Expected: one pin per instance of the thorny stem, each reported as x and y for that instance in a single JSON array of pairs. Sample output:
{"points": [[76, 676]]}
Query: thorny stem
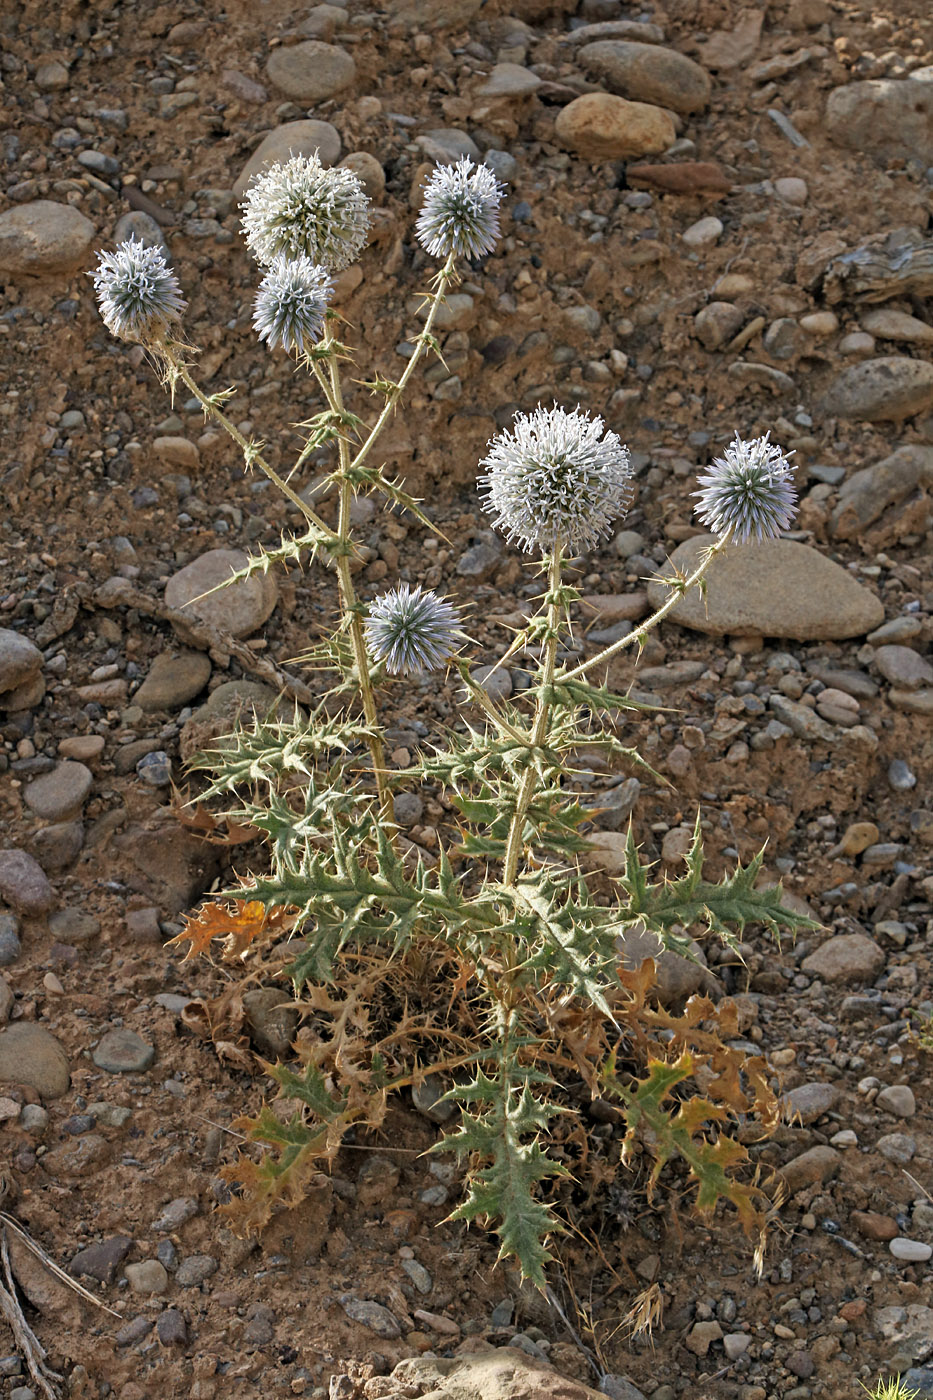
{"points": [[444, 279], [641, 632], [513, 848], [351, 610], [179, 368]]}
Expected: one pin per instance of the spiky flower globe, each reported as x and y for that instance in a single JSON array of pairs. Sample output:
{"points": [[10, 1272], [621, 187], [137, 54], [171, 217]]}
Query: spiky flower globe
{"points": [[138, 294], [291, 304], [556, 481], [302, 208], [460, 213], [411, 631], [749, 490]]}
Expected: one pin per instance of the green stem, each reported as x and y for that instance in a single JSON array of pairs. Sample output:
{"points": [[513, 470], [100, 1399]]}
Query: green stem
{"points": [[539, 730], [250, 454], [641, 632], [444, 279], [350, 603]]}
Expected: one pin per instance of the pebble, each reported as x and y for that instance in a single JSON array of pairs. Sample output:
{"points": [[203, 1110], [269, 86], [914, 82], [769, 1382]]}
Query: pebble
{"points": [[897, 1147], [888, 389], [24, 885], [141, 226], [792, 189], [61, 794], [122, 1051], [897, 1099], [10, 946], [44, 238], [887, 324], [101, 1260], [73, 926], [717, 323], [29, 1054], [372, 1315], [704, 233], [867, 495], [884, 117], [910, 1251], [810, 1168], [874, 1226], [239, 609], [677, 977], [701, 1337], [301, 138], [808, 1102], [177, 1213], [369, 171], [419, 1276], [683, 177], [858, 836], [846, 958], [195, 1270], [20, 660], [648, 73], [901, 776], [148, 1277], [495, 680], [272, 1022], [903, 667], [34, 1119], [155, 769], [171, 1328], [310, 72], [509, 80], [427, 1097], [736, 1344], [408, 809], [779, 588], [600, 126], [82, 747]]}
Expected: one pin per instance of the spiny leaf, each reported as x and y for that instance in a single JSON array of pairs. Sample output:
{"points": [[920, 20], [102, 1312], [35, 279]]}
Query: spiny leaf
{"points": [[239, 927]]}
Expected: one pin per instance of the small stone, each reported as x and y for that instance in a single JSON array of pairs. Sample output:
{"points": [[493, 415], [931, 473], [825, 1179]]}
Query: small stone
{"points": [[648, 73], [271, 1020], [142, 926], [155, 769], [874, 1226], [792, 190], [407, 808], [810, 1168], [23, 884], [809, 1102], [857, 838], [717, 323], [736, 1344], [881, 390], [239, 608], [148, 1277], [372, 1315], [600, 126], [875, 493], [171, 1328], [177, 1213], [51, 77], [509, 80], [10, 946], [369, 171], [20, 660], [377, 1181], [619, 1388], [911, 1251], [801, 1364], [122, 1051], [887, 324], [427, 1097], [903, 667], [897, 1147], [44, 238], [29, 1054], [897, 1099], [177, 452], [704, 233], [34, 1119], [495, 680], [73, 926], [195, 1270], [310, 72], [847, 958], [883, 116], [83, 747], [101, 1260], [133, 1331], [260, 1330], [60, 794], [701, 1337]]}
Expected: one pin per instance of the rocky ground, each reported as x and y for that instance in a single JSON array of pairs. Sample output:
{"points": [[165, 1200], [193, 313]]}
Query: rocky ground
{"points": [[718, 218]]}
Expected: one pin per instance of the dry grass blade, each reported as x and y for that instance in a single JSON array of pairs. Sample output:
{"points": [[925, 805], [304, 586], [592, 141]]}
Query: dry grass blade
{"points": [[54, 1268], [26, 1340], [645, 1313]]}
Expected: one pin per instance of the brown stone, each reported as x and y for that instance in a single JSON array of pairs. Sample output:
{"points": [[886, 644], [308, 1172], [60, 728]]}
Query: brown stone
{"points": [[685, 177], [601, 126], [874, 1226]]}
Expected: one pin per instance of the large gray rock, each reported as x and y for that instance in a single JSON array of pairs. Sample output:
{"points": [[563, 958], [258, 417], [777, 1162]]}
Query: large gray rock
{"points": [[648, 73], [20, 660], [310, 72], [883, 117], [43, 238], [778, 588], [849, 958], [29, 1054], [23, 883], [868, 494], [60, 794], [302, 138], [239, 608], [174, 678], [885, 390]]}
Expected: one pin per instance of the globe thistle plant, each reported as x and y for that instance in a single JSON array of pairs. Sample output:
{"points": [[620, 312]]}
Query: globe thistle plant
{"points": [[556, 481], [411, 632], [302, 208], [138, 294], [460, 213], [291, 304], [748, 491]]}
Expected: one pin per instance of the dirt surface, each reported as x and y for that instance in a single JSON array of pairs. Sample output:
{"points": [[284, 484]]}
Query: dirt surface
{"points": [[594, 297]]}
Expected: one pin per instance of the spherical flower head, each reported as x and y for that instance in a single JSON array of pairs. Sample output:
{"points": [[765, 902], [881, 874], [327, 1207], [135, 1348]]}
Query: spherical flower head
{"points": [[291, 304], [138, 294], [460, 213], [411, 631], [302, 208], [749, 490], [557, 481]]}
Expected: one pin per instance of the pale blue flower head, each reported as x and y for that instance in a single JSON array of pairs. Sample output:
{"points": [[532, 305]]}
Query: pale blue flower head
{"points": [[303, 208], [138, 294], [749, 490], [291, 304], [411, 631], [460, 213], [558, 480]]}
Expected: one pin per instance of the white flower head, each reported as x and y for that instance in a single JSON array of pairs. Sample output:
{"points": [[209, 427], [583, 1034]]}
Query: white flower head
{"points": [[557, 480], [302, 208], [411, 631], [138, 294], [291, 304], [460, 213], [750, 490]]}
